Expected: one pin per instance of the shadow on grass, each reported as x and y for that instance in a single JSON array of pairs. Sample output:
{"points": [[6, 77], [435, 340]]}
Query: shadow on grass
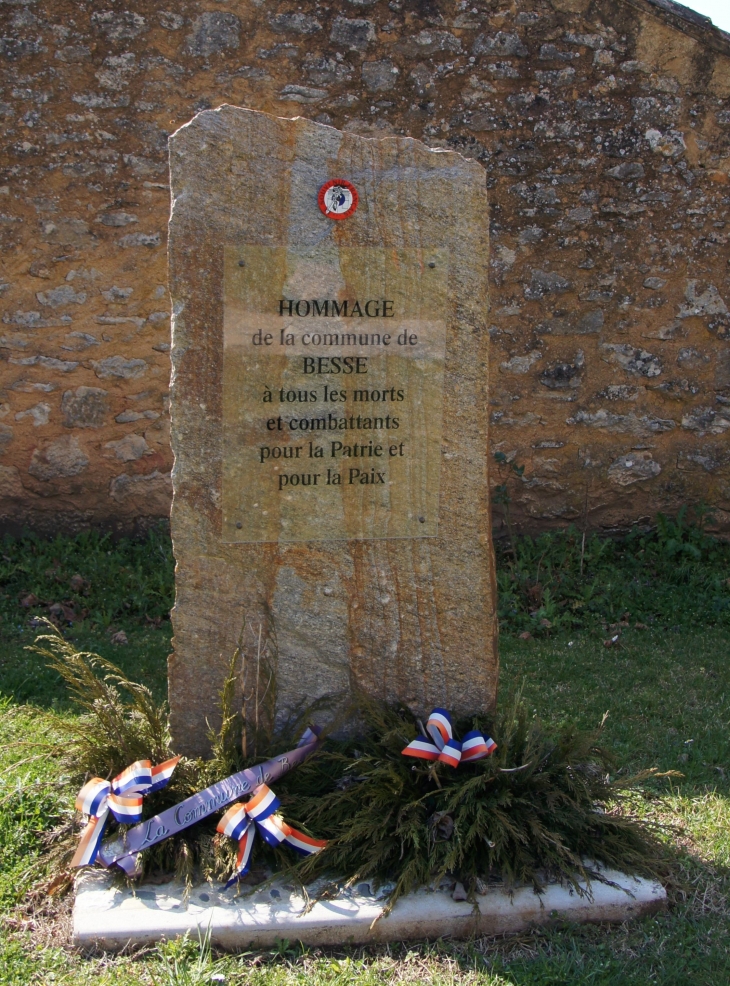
{"points": [[92, 586], [668, 698], [24, 677]]}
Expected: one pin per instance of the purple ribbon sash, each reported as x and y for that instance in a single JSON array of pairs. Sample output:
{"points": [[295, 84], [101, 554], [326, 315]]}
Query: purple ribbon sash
{"points": [[122, 850]]}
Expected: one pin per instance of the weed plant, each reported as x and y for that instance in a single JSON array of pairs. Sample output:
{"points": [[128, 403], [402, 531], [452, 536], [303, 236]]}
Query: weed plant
{"points": [[671, 574], [103, 593], [88, 578]]}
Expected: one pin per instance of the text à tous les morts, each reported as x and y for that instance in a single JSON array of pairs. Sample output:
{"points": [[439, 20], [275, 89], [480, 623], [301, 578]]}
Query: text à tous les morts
{"points": [[365, 473]]}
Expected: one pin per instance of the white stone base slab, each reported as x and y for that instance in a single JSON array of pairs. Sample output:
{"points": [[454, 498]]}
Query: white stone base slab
{"points": [[110, 917]]}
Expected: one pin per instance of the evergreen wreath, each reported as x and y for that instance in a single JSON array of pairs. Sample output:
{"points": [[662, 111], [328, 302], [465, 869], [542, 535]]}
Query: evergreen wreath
{"points": [[542, 808]]}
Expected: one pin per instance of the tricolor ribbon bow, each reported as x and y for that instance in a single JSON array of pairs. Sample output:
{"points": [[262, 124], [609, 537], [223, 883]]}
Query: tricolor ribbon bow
{"points": [[122, 797], [442, 746], [241, 821]]}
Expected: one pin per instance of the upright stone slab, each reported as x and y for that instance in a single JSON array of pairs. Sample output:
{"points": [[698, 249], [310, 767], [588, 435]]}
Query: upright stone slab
{"points": [[329, 421]]}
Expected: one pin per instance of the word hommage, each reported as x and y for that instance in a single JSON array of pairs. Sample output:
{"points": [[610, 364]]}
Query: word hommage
{"points": [[329, 308]]}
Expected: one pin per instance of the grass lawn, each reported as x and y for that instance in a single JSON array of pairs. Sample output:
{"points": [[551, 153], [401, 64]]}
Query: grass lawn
{"points": [[667, 693]]}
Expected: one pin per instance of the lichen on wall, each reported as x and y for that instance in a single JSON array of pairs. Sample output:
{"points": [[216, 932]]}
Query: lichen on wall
{"points": [[604, 128]]}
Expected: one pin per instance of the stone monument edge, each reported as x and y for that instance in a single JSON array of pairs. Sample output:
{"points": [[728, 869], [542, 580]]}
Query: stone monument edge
{"points": [[205, 119], [226, 107]]}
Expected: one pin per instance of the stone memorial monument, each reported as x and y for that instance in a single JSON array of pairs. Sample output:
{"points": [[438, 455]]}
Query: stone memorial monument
{"points": [[331, 516]]}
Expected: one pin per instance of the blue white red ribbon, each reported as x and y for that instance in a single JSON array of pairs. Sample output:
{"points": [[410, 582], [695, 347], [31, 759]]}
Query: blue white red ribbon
{"points": [[439, 743], [124, 852], [122, 797], [241, 822]]}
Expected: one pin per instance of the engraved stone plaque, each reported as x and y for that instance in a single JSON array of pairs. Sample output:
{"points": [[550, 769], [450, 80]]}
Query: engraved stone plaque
{"points": [[332, 393], [329, 422]]}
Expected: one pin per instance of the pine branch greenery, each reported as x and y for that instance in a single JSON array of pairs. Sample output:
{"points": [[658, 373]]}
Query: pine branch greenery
{"points": [[543, 807]]}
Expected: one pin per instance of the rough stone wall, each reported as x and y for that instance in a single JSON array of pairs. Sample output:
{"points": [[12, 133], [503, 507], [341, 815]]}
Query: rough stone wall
{"points": [[604, 126]]}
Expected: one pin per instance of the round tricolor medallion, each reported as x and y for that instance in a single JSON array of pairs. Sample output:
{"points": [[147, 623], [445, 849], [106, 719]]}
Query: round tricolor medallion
{"points": [[337, 199]]}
